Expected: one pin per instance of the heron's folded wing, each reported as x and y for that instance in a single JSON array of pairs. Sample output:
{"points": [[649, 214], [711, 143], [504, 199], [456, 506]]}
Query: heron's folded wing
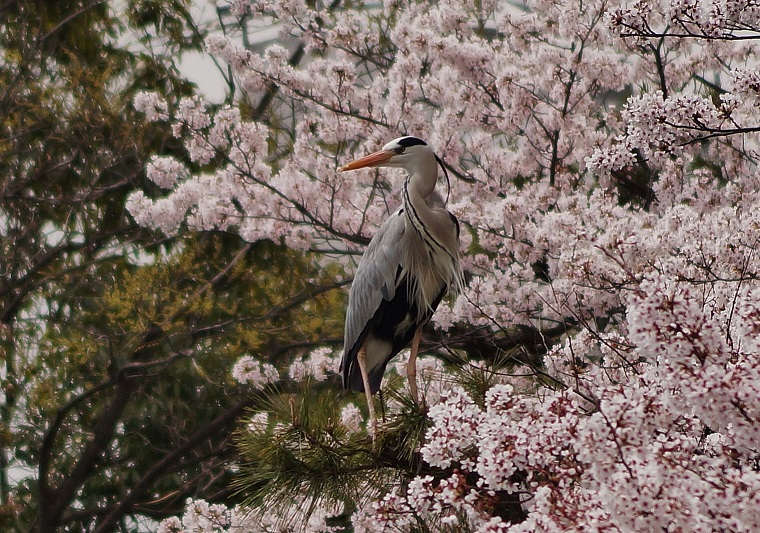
{"points": [[374, 282]]}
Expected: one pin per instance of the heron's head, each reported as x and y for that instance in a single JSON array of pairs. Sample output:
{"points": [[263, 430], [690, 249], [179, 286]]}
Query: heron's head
{"points": [[405, 152]]}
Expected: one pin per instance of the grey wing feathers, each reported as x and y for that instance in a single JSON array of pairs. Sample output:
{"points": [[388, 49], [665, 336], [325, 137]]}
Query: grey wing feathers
{"points": [[375, 280]]}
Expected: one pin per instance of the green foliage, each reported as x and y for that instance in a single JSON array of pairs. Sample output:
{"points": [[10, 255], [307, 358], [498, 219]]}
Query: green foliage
{"points": [[301, 450], [297, 452], [211, 302]]}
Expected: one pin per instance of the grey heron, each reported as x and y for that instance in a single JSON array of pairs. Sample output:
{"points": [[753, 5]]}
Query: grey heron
{"points": [[408, 267]]}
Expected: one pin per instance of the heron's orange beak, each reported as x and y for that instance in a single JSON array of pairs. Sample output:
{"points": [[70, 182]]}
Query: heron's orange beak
{"points": [[371, 160]]}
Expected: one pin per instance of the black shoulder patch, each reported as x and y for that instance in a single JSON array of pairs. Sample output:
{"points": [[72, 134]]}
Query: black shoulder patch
{"points": [[410, 141], [456, 223]]}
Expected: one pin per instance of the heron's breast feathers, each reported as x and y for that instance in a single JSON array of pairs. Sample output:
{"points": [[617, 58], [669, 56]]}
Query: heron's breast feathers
{"points": [[432, 271]]}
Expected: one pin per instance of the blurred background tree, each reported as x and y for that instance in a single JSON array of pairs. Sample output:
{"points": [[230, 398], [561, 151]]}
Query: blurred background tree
{"points": [[116, 343]]}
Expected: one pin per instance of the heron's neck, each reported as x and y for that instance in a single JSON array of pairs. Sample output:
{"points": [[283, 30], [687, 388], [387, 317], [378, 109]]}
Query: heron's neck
{"points": [[422, 178], [417, 197]]}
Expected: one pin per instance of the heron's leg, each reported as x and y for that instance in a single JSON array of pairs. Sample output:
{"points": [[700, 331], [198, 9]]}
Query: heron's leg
{"points": [[381, 397], [411, 366], [361, 357]]}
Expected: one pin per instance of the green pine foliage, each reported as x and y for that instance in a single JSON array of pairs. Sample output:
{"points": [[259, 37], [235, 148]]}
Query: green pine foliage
{"points": [[296, 452]]}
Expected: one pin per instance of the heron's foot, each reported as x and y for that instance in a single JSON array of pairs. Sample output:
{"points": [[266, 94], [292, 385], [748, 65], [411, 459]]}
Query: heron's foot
{"points": [[422, 405], [372, 422], [372, 429]]}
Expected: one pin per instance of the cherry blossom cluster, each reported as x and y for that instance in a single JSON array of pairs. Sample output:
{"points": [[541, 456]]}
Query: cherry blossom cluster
{"points": [[351, 418], [318, 365], [249, 371], [659, 129], [202, 517], [746, 82], [640, 459], [151, 105], [690, 18]]}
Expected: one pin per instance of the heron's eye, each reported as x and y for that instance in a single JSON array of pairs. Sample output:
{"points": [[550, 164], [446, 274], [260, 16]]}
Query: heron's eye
{"points": [[400, 149]]}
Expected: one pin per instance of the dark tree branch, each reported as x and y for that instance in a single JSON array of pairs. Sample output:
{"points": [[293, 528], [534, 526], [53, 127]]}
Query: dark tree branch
{"points": [[55, 500], [159, 469]]}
